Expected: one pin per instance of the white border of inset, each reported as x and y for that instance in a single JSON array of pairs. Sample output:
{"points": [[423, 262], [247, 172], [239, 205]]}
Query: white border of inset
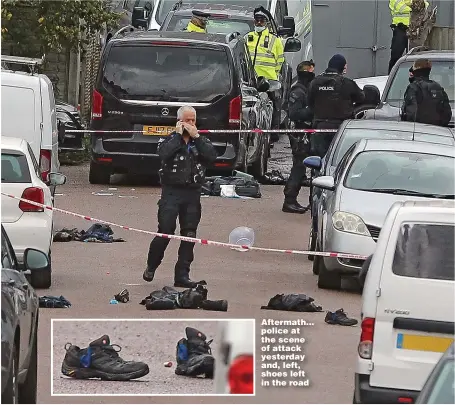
{"points": [[253, 320]]}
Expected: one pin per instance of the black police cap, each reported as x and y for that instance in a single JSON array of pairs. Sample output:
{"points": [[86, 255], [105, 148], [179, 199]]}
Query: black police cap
{"points": [[200, 14]]}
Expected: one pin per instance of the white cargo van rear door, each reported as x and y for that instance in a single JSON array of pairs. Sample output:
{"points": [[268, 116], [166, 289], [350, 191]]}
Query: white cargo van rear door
{"points": [[415, 310]]}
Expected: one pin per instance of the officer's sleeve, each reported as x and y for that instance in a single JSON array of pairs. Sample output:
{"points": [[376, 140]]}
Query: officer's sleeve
{"points": [[278, 52], [298, 110], [311, 97], [207, 151], [446, 113], [169, 146], [409, 108]]}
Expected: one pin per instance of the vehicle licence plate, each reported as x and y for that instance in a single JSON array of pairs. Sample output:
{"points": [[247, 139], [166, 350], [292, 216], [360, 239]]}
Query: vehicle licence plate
{"points": [[423, 343], [157, 130]]}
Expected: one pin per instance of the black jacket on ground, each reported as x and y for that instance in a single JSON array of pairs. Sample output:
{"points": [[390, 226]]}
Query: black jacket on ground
{"points": [[184, 164], [331, 97], [425, 101]]}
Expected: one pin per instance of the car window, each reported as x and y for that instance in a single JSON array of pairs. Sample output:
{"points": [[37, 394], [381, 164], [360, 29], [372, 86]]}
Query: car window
{"points": [[214, 26], [443, 391], [425, 251], [411, 171], [35, 163], [174, 73], [441, 72], [351, 136], [344, 161], [7, 257], [15, 168]]}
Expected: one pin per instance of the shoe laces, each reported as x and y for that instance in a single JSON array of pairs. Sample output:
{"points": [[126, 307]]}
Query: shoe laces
{"points": [[113, 352]]}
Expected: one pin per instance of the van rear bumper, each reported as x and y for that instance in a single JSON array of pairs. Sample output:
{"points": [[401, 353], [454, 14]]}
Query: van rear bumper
{"points": [[364, 393]]}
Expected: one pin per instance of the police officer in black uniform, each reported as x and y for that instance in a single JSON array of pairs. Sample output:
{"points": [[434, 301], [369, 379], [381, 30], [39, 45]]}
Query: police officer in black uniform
{"points": [[331, 97], [184, 155], [425, 101], [300, 146]]}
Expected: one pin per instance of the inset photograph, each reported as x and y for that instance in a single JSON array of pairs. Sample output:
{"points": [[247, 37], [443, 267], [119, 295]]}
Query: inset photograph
{"points": [[124, 357]]}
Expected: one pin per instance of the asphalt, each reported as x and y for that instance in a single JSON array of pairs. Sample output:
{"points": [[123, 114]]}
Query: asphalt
{"points": [[89, 274]]}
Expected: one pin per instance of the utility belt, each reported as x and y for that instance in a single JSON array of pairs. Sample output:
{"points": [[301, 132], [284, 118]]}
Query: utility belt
{"points": [[400, 26]]}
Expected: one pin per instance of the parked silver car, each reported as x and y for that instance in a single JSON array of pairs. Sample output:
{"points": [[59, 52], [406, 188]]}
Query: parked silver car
{"points": [[371, 176]]}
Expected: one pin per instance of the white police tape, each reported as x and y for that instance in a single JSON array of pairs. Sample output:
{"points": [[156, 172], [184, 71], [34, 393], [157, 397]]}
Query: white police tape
{"points": [[205, 131], [188, 239]]}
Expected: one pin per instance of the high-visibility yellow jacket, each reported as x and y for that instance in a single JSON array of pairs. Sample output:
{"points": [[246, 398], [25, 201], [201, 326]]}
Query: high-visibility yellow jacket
{"points": [[269, 53], [401, 11], [194, 28]]}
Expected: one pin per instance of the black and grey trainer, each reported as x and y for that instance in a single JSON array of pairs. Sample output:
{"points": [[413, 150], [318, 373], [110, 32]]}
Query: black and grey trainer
{"points": [[339, 317], [100, 360], [194, 356]]}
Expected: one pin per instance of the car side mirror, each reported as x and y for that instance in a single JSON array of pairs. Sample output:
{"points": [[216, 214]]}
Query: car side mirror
{"points": [[313, 162], [35, 260], [372, 94], [263, 84], [139, 18], [56, 179], [324, 182], [292, 45]]}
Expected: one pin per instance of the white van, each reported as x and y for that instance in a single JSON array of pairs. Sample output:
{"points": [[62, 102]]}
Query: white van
{"points": [[408, 302], [28, 112], [234, 360]]}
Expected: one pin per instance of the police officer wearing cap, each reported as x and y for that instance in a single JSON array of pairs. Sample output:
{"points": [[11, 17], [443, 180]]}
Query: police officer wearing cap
{"points": [[267, 55], [198, 22], [332, 97], [184, 155], [302, 116]]}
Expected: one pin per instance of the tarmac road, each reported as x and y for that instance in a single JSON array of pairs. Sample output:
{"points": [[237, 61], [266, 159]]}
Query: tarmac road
{"points": [[89, 274]]}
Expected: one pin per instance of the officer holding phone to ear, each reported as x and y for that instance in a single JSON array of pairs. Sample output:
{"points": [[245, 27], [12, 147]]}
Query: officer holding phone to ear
{"points": [[184, 156]]}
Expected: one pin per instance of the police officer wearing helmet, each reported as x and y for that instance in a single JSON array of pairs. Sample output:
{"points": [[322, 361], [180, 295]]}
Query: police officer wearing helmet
{"points": [[300, 145], [425, 101], [198, 22], [183, 156], [331, 97], [267, 55]]}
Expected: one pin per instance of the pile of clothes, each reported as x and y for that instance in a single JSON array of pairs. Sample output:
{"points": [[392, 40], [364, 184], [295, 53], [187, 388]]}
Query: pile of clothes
{"points": [[243, 187], [100, 233]]}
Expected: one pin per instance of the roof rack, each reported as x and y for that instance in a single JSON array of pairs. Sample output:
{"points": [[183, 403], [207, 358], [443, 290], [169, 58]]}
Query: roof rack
{"points": [[124, 30], [417, 49], [32, 63], [232, 35]]}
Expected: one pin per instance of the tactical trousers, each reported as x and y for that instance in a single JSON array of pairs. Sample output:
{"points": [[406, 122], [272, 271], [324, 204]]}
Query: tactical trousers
{"points": [[184, 204], [294, 183], [276, 117], [320, 141], [398, 46]]}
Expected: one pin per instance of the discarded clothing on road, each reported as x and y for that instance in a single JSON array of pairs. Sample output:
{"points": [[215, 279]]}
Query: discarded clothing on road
{"points": [[100, 233], [274, 178], [243, 187], [191, 298], [49, 301], [194, 355], [293, 302]]}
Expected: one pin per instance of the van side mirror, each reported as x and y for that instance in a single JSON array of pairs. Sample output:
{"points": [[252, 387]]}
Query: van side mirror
{"points": [[263, 84], [139, 18], [288, 27], [292, 45]]}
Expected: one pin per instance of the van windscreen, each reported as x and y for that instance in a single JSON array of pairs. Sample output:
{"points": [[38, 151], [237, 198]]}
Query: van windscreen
{"points": [[425, 251], [167, 73]]}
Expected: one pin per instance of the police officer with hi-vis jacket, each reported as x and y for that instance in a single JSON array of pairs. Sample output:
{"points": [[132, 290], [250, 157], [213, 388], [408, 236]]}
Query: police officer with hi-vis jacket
{"points": [[267, 54], [198, 22]]}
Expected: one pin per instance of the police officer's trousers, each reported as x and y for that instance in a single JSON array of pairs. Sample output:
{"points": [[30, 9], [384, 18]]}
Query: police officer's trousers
{"points": [[320, 141], [399, 44], [184, 204], [294, 183]]}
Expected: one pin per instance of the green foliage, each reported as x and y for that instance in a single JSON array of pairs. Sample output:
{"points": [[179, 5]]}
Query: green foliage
{"points": [[35, 27]]}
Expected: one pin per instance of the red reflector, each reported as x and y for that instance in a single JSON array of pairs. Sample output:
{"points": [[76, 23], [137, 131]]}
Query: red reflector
{"points": [[222, 164], [405, 400], [241, 375], [105, 159], [367, 330], [235, 111], [35, 194], [97, 105], [170, 43], [45, 163]]}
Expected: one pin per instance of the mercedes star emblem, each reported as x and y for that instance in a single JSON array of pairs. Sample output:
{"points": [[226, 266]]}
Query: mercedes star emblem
{"points": [[165, 111]]}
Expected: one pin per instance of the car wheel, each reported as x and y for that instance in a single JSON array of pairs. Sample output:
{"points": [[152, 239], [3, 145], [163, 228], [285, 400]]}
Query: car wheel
{"points": [[10, 395], [327, 280], [312, 245], [99, 174], [42, 278], [27, 390], [259, 167]]}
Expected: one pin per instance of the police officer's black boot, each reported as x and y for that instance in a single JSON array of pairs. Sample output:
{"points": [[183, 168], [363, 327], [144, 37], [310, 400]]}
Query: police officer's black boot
{"points": [[294, 207], [194, 356], [182, 268]]}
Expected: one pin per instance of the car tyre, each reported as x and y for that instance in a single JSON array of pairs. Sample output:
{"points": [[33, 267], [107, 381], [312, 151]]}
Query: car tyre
{"points": [[10, 395], [259, 167], [28, 390], [99, 174], [42, 278], [327, 280]]}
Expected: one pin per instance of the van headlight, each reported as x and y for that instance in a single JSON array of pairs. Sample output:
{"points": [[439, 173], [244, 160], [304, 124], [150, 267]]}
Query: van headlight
{"points": [[351, 223]]}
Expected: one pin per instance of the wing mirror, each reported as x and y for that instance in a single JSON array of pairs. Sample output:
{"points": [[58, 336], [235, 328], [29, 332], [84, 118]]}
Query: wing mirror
{"points": [[56, 179], [35, 260], [324, 182], [372, 95], [263, 84], [139, 18], [292, 45], [313, 162], [288, 28]]}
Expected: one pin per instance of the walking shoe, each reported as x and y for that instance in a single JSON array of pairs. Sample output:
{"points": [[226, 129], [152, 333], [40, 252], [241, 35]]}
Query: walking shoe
{"points": [[294, 208], [194, 356], [339, 317], [149, 274], [100, 360]]}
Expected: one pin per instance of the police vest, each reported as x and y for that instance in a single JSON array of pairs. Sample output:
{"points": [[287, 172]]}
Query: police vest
{"points": [[401, 11], [194, 28], [267, 53], [430, 102]]}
